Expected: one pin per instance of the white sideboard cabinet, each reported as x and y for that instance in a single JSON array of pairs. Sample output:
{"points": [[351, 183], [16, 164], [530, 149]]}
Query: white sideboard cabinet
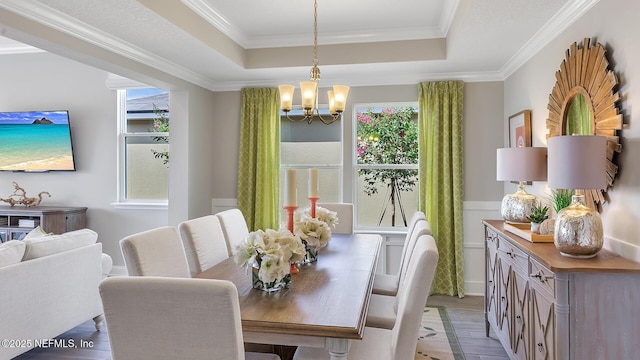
{"points": [[543, 305]]}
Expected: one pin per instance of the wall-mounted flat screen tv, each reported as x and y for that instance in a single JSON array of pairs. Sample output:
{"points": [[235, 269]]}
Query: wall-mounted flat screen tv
{"points": [[36, 141]]}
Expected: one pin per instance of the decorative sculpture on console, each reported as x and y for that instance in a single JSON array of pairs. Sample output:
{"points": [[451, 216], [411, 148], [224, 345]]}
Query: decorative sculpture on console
{"points": [[19, 196]]}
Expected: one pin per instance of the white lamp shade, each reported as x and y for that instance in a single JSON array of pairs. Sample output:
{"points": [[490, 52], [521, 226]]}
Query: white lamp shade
{"points": [[308, 90], [332, 103], [340, 93], [286, 96], [521, 164], [577, 162]]}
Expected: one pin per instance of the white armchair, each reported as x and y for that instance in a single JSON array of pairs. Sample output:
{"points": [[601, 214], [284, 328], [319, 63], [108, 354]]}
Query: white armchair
{"points": [[383, 308], [385, 284], [204, 242], [400, 342], [153, 318], [345, 216], [156, 252], [234, 227]]}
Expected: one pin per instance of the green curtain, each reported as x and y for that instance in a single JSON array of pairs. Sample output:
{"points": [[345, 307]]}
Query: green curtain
{"points": [[441, 178], [259, 161]]}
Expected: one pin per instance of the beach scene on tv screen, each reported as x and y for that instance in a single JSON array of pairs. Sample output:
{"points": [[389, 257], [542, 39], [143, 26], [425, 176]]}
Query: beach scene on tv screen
{"points": [[35, 141]]}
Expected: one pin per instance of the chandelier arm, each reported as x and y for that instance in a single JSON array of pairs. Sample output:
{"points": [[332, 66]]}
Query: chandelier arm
{"points": [[334, 117], [286, 114]]}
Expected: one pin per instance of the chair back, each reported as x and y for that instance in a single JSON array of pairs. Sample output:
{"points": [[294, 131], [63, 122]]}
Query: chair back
{"points": [[170, 318], [204, 242], [234, 227], [345, 216], [156, 252], [421, 227], [412, 298]]}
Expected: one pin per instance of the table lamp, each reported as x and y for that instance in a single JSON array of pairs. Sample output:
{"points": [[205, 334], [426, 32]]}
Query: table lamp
{"points": [[578, 162], [520, 164]]}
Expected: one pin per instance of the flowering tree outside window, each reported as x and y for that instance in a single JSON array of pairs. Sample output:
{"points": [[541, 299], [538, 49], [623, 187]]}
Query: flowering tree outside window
{"points": [[161, 124], [388, 138]]}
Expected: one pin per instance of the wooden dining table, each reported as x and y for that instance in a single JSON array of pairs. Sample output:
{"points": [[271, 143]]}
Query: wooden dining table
{"points": [[326, 305]]}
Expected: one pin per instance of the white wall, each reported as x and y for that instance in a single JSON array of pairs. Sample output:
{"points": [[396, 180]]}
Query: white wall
{"points": [[44, 81], [614, 24]]}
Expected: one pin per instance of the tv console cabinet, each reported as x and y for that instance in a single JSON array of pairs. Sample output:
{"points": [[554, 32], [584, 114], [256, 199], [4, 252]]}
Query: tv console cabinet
{"points": [[16, 222], [543, 305]]}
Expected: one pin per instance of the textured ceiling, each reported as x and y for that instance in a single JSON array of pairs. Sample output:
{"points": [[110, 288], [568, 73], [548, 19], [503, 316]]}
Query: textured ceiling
{"points": [[212, 42]]}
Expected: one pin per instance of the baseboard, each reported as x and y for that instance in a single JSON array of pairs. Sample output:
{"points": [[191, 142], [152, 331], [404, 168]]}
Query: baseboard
{"points": [[474, 288]]}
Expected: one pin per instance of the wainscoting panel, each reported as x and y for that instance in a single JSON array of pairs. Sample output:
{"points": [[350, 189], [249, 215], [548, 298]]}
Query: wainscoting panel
{"points": [[474, 213], [218, 205]]}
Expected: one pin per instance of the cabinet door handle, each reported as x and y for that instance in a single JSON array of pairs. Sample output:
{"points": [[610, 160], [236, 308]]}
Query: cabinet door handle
{"points": [[542, 278]]}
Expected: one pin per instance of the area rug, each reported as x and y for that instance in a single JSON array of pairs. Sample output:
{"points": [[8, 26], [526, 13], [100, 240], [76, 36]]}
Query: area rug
{"points": [[437, 339]]}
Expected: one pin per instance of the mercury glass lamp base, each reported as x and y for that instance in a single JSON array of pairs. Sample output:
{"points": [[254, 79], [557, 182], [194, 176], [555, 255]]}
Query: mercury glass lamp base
{"points": [[517, 207], [578, 230]]}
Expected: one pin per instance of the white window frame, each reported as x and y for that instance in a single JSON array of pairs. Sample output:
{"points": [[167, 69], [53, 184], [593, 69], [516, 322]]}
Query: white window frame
{"points": [[356, 167], [122, 201]]}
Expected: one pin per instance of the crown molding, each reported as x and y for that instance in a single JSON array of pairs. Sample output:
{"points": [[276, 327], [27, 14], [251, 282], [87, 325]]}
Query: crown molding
{"points": [[87, 33], [19, 49], [448, 13], [215, 18], [561, 21], [395, 79]]}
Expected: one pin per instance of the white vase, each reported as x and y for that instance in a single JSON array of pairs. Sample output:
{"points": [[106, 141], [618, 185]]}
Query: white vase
{"points": [[535, 227]]}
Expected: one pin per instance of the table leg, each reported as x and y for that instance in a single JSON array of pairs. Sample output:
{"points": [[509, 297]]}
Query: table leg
{"points": [[338, 348]]}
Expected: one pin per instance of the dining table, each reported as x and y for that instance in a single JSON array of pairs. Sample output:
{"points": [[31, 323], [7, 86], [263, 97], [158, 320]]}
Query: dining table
{"points": [[326, 304]]}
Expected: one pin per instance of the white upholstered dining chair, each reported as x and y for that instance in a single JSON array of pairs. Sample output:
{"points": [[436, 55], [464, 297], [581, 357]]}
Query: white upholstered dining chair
{"points": [[159, 318], [400, 342], [383, 308], [345, 216], [204, 242], [387, 284], [156, 252], [234, 227]]}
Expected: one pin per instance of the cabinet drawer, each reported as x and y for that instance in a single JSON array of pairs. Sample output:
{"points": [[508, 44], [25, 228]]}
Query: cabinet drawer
{"points": [[513, 255], [542, 278]]}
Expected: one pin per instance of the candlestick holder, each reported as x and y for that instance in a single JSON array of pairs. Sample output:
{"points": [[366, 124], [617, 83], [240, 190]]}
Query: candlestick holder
{"points": [[314, 201], [290, 210]]}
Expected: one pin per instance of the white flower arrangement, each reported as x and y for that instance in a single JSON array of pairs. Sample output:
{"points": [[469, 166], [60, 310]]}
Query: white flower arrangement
{"points": [[271, 251], [326, 215], [313, 231]]}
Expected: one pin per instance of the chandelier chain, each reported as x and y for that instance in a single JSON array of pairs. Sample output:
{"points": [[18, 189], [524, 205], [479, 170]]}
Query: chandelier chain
{"points": [[315, 33]]}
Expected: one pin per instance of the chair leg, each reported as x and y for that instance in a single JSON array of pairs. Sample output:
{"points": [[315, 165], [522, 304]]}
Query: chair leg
{"points": [[98, 321]]}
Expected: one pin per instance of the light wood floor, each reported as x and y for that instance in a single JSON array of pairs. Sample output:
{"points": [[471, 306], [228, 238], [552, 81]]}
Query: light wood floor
{"points": [[466, 315]]}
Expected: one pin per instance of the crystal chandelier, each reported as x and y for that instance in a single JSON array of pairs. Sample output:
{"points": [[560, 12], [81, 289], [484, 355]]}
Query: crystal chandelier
{"points": [[309, 89]]}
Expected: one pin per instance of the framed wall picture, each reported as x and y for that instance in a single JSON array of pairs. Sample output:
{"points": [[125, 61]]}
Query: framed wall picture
{"points": [[520, 129]]}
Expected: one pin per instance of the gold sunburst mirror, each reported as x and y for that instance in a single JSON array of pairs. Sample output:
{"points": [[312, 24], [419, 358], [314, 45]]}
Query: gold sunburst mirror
{"points": [[584, 102]]}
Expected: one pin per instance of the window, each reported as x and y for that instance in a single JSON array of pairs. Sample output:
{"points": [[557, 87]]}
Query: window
{"points": [[143, 146], [385, 164], [315, 145]]}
